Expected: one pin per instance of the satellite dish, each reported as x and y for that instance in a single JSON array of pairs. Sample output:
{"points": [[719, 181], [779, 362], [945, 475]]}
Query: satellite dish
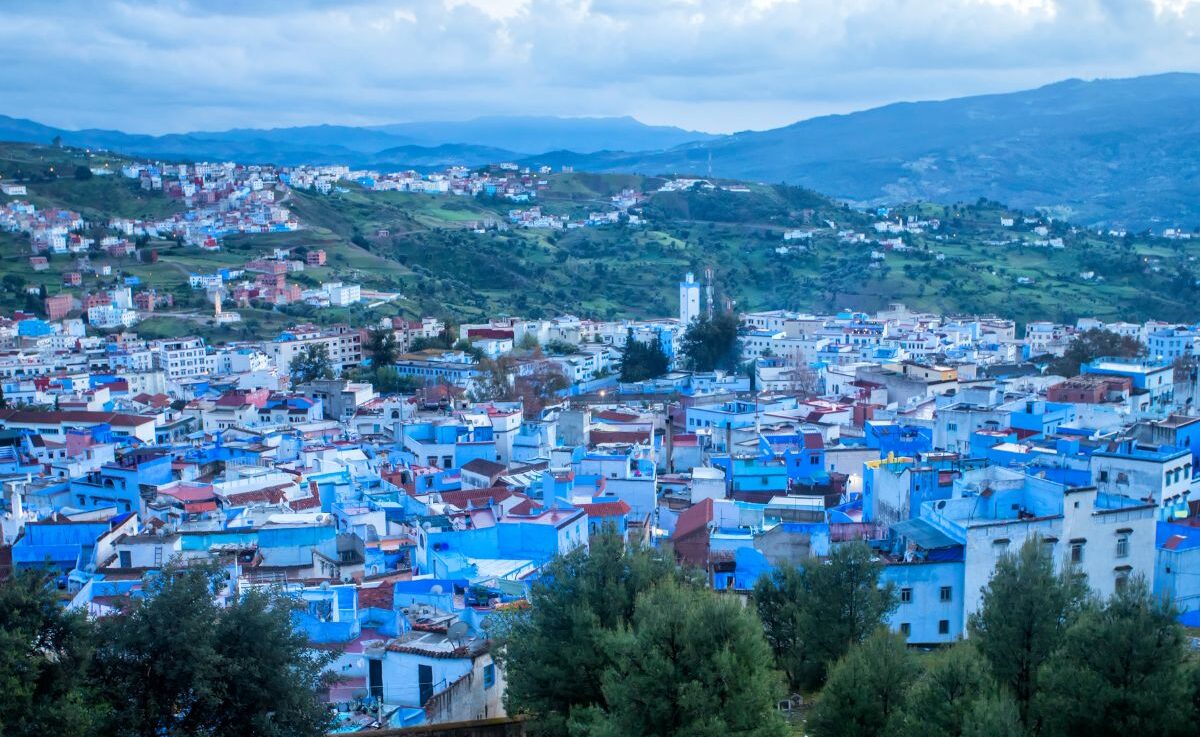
{"points": [[436, 589], [458, 632]]}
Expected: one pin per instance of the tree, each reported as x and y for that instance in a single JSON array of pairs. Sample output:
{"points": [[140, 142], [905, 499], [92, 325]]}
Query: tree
{"points": [[270, 678], [553, 652], [943, 699], [381, 344], [641, 361], [310, 364], [711, 343], [692, 662], [387, 380], [45, 652], [1093, 344], [158, 660], [866, 689], [175, 662], [1120, 670], [813, 614], [994, 715], [1026, 608], [82, 173]]}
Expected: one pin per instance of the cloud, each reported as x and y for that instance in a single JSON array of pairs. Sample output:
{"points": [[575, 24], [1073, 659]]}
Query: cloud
{"points": [[707, 64]]}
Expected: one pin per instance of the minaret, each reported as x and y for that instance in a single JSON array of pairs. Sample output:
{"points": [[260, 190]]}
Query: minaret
{"points": [[217, 303], [708, 290], [689, 299]]}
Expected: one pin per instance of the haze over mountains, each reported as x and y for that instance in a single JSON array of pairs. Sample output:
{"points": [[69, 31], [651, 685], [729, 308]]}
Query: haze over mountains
{"points": [[1121, 152]]}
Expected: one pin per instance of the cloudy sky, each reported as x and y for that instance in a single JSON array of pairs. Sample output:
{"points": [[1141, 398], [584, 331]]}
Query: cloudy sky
{"points": [[716, 65]]}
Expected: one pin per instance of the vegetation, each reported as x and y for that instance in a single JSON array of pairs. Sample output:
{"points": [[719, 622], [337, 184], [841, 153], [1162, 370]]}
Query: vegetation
{"points": [[1025, 611], [620, 642], [1119, 670], [866, 689], [813, 614], [712, 343], [641, 361], [1093, 344], [690, 662], [171, 662], [310, 364], [45, 658], [1045, 657], [428, 252], [553, 652]]}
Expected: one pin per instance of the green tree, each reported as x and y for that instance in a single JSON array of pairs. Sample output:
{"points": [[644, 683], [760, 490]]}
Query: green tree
{"points": [[943, 699], [1026, 608], [712, 343], [82, 173], [44, 657], [158, 661], [813, 614], [1090, 345], [641, 361], [692, 663], [381, 344], [310, 364], [1120, 670], [554, 652], [993, 715], [177, 663], [270, 678], [866, 689]]}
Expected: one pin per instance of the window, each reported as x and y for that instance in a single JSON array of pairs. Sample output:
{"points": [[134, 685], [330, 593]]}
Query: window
{"points": [[1077, 551], [951, 426], [1123, 545], [489, 675], [814, 460], [1104, 475], [944, 627], [946, 594], [905, 628], [906, 596], [1121, 581]]}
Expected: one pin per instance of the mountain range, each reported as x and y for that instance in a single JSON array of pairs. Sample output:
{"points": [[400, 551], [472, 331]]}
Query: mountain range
{"points": [[1120, 152]]}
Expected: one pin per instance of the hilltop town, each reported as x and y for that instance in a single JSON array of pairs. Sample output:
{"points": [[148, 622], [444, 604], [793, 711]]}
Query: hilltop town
{"points": [[408, 477]]}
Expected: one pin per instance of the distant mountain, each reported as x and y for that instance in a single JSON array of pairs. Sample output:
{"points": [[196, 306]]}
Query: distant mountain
{"points": [[533, 135], [398, 145], [1123, 151]]}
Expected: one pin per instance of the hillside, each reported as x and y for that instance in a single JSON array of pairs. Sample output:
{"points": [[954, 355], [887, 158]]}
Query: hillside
{"points": [[1120, 152], [430, 250], [1124, 152]]}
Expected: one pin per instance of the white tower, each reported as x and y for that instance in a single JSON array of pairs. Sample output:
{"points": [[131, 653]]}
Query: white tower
{"points": [[689, 300]]}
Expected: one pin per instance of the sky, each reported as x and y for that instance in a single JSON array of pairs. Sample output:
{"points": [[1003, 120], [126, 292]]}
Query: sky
{"points": [[711, 65]]}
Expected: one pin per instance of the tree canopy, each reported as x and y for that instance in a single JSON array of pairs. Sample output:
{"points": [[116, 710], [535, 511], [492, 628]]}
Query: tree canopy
{"points": [[381, 344], [866, 689], [690, 664], [554, 652], [712, 343], [310, 364], [641, 361], [813, 614], [1025, 611], [1120, 669], [45, 654], [1090, 345], [176, 662]]}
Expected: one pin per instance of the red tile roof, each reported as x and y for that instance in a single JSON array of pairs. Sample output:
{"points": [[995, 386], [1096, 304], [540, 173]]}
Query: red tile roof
{"points": [[693, 519], [618, 508]]}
